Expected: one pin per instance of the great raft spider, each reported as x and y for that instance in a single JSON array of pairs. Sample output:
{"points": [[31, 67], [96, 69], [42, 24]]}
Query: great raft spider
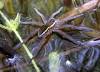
{"points": [[56, 26]]}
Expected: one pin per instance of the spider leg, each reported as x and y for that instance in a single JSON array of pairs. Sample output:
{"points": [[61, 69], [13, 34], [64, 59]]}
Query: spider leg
{"points": [[31, 36], [42, 43], [41, 15], [67, 37], [72, 27], [55, 13]]}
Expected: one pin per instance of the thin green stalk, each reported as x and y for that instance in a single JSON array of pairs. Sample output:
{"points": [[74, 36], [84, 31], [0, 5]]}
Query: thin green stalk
{"points": [[27, 50], [5, 18], [4, 27], [11, 25]]}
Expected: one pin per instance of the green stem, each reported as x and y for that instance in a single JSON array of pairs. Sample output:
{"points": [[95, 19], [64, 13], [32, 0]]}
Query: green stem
{"points": [[5, 18], [4, 27], [27, 50]]}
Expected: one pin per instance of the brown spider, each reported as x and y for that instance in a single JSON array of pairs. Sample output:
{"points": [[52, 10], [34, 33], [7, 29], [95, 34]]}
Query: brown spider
{"points": [[55, 26]]}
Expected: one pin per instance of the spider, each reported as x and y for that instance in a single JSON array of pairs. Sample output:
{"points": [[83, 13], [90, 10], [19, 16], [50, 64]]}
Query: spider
{"points": [[55, 26]]}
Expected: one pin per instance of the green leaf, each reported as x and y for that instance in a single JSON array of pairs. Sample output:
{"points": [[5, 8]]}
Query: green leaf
{"points": [[4, 27]]}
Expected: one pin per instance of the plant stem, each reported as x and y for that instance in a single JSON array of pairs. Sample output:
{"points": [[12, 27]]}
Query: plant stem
{"points": [[5, 18], [27, 50]]}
